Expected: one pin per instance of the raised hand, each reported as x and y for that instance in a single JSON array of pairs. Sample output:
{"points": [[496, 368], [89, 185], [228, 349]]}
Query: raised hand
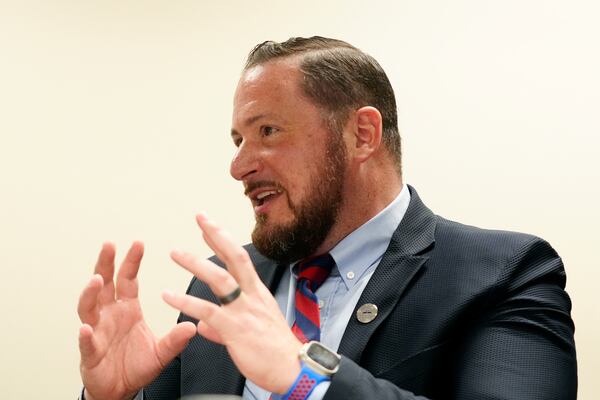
{"points": [[119, 353], [252, 327]]}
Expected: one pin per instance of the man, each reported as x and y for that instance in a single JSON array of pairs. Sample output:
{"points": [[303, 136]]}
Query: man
{"points": [[417, 306]]}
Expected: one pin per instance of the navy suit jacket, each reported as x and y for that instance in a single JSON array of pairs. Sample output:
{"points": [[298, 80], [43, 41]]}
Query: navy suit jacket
{"points": [[464, 313]]}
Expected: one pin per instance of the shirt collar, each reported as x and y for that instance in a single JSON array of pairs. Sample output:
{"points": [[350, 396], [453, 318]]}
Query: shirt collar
{"points": [[364, 247]]}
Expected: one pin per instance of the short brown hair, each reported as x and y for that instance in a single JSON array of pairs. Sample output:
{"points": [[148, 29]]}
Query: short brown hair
{"points": [[340, 78]]}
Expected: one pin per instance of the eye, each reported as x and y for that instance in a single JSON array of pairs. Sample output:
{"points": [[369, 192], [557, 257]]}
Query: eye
{"points": [[237, 140], [268, 130]]}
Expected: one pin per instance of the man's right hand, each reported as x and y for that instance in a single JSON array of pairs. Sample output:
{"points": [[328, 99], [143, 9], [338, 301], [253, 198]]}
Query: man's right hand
{"points": [[119, 353]]}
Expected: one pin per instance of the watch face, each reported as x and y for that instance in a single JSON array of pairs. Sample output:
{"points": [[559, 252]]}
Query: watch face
{"points": [[323, 356]]}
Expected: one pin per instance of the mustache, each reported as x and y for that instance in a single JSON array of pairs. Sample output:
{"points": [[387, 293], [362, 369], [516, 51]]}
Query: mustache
{"points": [[250, 186]]}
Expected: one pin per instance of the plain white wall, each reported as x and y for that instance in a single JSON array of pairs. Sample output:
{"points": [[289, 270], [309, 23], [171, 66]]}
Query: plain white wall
{"points": [[115, 117]]}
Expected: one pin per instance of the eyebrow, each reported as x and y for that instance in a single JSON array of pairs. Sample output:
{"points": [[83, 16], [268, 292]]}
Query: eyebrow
{"points": [[248, 121], [253, 119]]}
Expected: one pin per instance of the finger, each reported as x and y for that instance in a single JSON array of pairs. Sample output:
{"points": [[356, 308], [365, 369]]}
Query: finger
{"points": [[218, 279], [209, 332], [235, 256], [87, 345], [88, 307], [174, 342], [127, 284], [199, 309], [105, 267]]}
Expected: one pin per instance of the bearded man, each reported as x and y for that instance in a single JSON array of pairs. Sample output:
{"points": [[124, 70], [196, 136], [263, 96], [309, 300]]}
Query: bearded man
{"points": [[352, 288]]}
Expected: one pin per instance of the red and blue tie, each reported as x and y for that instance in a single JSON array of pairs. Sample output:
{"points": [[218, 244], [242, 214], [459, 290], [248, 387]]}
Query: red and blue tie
{"points": [[311, 272]]}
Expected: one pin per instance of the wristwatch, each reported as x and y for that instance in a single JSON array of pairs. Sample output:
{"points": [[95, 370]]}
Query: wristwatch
{"points": [[318, 365], [320, 358]]}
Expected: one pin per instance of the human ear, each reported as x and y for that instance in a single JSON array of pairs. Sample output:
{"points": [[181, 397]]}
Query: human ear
{"points": [[367, 132]]}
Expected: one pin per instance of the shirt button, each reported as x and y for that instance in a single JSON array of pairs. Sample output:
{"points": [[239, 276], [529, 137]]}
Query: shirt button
{"points": [[350, 275], [321, 304]]}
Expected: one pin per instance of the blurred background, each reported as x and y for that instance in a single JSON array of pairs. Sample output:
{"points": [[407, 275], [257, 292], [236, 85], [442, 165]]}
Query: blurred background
{"points": [[115, 118]]}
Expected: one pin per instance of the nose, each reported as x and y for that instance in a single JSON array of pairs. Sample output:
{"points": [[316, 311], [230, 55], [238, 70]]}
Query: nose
{"points": [[245, 162]]}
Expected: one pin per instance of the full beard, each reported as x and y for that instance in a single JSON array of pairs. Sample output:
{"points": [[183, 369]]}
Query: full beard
{"points": [[313, 217]]}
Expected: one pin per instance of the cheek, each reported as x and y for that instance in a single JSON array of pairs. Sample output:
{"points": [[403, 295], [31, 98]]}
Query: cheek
{"points": [[303, 186], [298, 171]]}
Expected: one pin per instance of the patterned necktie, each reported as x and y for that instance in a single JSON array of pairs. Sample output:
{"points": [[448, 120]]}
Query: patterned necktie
{"points": [[311, 272]]}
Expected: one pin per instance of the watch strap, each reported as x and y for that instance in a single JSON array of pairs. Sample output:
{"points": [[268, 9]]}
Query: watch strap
{"points": [[304, 384]]}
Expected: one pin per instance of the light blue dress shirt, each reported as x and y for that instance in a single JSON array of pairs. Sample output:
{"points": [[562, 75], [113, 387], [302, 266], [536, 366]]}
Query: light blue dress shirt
{"points": [[356, 258]]}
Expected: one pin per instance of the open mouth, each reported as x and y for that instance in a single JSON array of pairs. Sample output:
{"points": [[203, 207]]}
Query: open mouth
{"points": [[262, 196]]}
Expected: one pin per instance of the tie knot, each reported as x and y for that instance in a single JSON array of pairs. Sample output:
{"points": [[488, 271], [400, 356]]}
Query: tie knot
{"points": [[315, 269]]}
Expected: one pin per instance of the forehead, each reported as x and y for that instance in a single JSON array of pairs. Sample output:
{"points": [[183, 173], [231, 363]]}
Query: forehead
{"points": [[274, 76], [270, 87]]}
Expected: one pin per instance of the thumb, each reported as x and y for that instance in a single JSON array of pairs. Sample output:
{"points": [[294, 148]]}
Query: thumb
{"points": [[87, 345], [173, 342]]}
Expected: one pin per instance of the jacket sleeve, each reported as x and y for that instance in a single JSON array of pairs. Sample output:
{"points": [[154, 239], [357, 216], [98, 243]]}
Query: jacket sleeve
{"points": [[167, 386], [521, 346]]}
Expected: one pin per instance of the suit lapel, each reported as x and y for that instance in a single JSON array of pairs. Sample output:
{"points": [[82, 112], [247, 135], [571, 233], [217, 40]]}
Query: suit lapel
{"points": [[384, 290], [268, 271], [399, 265]]}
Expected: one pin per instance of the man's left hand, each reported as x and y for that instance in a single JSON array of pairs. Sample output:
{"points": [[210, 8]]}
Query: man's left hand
{"points": [[251, 327]]}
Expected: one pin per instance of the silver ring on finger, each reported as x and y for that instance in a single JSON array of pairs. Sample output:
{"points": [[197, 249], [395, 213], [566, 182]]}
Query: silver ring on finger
{"points": [[230, 297]]}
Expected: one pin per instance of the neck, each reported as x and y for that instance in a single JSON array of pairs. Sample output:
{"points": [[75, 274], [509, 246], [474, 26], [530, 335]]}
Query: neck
{"points": [[364, 198]]}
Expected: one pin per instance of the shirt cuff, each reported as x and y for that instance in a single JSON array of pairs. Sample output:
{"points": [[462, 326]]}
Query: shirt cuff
{"points": [[319, 391]]}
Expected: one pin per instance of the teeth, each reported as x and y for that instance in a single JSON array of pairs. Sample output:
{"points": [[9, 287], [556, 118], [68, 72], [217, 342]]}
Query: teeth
{"points": [[262, 195]]}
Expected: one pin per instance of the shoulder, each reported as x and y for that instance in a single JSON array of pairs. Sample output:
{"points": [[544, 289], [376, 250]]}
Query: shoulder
{"points": [[507, 256], [456, 236]]}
